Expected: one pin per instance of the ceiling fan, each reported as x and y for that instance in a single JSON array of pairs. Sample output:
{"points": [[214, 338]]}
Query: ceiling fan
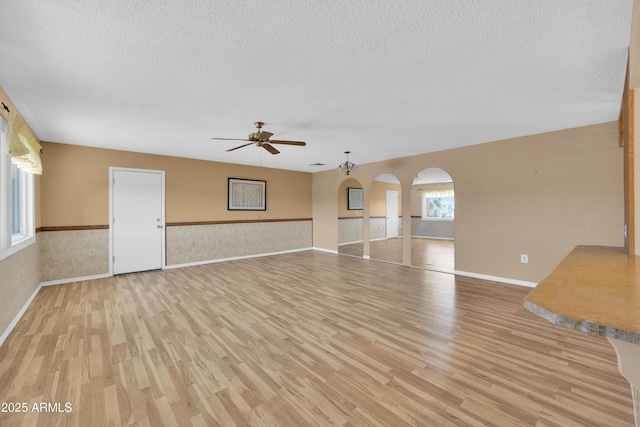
{"points": [[261, 139]]}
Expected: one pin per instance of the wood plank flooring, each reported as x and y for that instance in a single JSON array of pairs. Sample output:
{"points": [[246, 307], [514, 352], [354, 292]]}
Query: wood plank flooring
{"points": [[432, 254], [302, 339]]}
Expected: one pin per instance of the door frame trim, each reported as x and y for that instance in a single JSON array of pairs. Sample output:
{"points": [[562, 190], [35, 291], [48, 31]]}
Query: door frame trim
{"points": [[386, 213], [113, 169]]}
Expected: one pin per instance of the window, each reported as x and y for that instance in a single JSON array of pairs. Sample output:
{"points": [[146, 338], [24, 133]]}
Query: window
{"points": [[17, 185], [438, 202], [438, 207], [16, 202]]}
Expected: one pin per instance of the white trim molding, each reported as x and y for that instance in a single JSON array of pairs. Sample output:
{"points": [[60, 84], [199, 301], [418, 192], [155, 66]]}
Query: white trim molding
{"points": [[351, 243], [324, 250], [496, 279], [76, 279], [434, 238], [213, 261]]}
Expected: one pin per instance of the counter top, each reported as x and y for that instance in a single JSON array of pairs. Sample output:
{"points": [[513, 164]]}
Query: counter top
{"points": [[595, 289]]}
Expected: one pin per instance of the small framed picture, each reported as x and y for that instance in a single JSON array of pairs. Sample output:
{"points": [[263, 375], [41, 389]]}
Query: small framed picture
{"points": [[355, 199], [247, 195]]}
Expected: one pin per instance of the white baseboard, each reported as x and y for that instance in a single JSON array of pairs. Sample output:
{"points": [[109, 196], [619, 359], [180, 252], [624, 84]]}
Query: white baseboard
{"points": [[212, 261], [434, 238], [16, 319], [496, 279], [75, 279], [351, 243], [324, 250]]}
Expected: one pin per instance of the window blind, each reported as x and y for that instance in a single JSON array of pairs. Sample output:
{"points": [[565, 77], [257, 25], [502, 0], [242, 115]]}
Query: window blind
{"points": [[438, 190], [23, 145]]}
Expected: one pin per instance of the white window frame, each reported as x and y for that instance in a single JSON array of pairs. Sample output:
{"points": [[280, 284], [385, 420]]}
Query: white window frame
{"points": [[10, 243]]}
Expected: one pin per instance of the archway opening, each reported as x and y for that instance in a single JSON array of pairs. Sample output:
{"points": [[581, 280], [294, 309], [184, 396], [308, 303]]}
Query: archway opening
{"points": [[350, 218], [385, 219], [433, 221]]}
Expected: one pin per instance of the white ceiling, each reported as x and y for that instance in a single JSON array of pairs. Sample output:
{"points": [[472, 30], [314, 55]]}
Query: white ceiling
{"points": [[383, 79]]}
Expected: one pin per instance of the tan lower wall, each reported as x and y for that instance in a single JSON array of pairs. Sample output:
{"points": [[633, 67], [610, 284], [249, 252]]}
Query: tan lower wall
{"points": [[66, 254], [377, 228], [19, 278], [196, 243], [441, 229], [539, 195], [350, 230]]}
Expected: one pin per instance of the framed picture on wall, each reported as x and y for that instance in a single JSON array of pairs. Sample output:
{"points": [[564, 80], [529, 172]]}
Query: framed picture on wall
{"points": [[247, 195], [355, 200]]}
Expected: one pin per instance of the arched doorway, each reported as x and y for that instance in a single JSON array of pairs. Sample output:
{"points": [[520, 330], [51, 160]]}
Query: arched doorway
{"points": [[385, 219], [433, 220], [350, 218]]}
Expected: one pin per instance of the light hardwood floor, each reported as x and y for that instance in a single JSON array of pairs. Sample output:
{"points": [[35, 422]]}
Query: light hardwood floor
{"points": [[432, 254], [303, 339]]}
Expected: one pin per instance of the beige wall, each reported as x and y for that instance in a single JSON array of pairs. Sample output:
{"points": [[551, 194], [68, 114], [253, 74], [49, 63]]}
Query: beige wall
{"points": [[75, 187], [541, 195], [378, 198], [75, 193], [341, 196]]}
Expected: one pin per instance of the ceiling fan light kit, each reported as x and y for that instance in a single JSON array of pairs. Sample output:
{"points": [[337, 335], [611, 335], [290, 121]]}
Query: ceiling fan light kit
{"points": [[261, 139], [347, 167]]}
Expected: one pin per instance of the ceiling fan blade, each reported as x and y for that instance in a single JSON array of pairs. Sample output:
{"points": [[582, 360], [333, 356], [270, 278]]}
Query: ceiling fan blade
{"points": [[240, 146], [279, 141], [270, 148], [261, 139], [263, 136]]}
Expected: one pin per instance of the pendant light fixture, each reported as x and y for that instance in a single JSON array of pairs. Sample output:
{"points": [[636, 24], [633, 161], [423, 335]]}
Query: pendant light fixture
{"points": [[347, 167]]}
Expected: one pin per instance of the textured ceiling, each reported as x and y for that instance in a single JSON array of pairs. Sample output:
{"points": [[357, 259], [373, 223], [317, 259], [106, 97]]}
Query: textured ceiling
{"points": [[383, 79]]}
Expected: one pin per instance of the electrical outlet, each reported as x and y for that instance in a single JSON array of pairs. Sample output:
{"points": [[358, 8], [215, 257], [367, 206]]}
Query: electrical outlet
{"points": [[524, 258], [92, 252]]}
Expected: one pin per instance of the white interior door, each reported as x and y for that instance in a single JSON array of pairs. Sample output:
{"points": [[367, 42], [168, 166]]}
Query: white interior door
{"points": [[393, 224], [137, 220]]}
